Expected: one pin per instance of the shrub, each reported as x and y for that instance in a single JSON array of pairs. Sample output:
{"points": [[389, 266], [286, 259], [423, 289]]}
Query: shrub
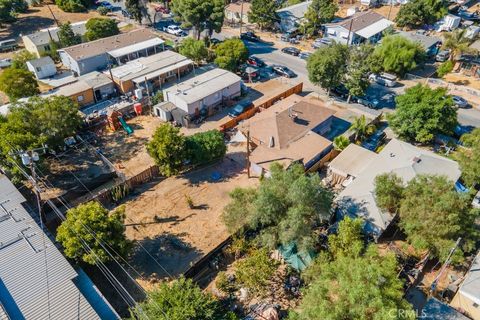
{"points": [[445, 68]]}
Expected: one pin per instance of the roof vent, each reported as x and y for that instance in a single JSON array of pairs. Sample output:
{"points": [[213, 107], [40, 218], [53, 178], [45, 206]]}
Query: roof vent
{"points": [[392, 155]]}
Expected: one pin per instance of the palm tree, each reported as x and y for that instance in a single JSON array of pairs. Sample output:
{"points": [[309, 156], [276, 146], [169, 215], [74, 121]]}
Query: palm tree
{"points": [[457, 42], [340, 143], [361, 128]]}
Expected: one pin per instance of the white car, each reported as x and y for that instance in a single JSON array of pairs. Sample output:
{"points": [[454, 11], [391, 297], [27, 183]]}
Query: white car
{"points": [[384, 79], [173, 29]]}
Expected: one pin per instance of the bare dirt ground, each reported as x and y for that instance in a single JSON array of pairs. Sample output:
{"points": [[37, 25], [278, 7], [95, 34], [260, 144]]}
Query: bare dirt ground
{"points": [[129, 153], [159, 218]]}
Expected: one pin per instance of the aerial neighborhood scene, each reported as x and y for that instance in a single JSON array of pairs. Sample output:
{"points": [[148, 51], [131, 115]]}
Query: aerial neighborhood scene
{"points": [[240, 159]]}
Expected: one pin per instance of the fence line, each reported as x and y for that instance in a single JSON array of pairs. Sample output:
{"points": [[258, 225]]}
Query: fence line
{"points": [[448, 85]]}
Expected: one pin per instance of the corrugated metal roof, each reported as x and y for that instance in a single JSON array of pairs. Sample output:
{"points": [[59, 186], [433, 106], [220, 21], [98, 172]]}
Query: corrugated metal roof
{"points": [[23, 280]]}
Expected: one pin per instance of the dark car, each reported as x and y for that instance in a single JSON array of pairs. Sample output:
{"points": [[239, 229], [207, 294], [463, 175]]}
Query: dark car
{"points": [[240, 108], [126, 14], [369, 102], [291, 50], [375, 140], [460, 102], [255, 62], [215, 41], [340, 91], [284, 71], [249, 36]]}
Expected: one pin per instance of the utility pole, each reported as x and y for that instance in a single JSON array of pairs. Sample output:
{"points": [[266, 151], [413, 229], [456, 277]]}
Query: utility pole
{"points": [[349, 31], [53, 16], [248, 153], [241, 16], [433, 286]]}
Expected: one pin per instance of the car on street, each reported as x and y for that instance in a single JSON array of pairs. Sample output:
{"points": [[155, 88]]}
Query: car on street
{"points": [[442, 56], [369, 102], [215, 41], [384, 79], [284, 71], [321, 42], [340, 91], [240, 108], [291, 50], [255, 62], [126, 14], [460, 102], [106, 5], [5, 63], [173, 29], [304, 55], [249, 36]]}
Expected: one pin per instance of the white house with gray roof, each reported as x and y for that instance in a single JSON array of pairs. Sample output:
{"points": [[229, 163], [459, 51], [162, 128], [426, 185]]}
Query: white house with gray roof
{"points": [[291, 16], [36, 281], [42, 68]]}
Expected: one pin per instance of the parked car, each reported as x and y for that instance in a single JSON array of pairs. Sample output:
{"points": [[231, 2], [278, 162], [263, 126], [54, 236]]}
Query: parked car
{"points": [[214, 41], [384, 79], [106, 5], [240, 108], [369, 102], [304, 55], [284, 71], [5, 63], [255, 62], [321, 42], [8, 45], [460, 102], [249, 36], [126, 14], [291, 50], [375, 140], [173, 29], [442, 56], [340, 91]]}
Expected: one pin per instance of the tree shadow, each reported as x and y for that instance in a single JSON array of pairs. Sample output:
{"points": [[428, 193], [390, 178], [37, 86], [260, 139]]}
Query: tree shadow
{"points": [[25, 25]]}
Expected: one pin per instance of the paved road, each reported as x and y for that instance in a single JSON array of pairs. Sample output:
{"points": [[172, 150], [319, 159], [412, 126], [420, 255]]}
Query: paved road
{"points": [[271, 55]]}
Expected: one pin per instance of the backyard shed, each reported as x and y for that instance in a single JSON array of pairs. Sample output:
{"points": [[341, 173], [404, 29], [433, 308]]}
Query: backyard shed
{"points": [[42, 68]]}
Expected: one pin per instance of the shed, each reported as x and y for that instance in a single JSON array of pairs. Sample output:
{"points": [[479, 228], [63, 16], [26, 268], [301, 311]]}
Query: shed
{"points": [[42, 68]]}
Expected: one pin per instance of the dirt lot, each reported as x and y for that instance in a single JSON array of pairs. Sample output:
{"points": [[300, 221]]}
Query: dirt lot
{"points": [[159, 217], [129, 153]]}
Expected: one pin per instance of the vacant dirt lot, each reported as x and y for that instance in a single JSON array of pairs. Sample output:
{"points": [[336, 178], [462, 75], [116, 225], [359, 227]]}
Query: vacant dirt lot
{"points": [[160, 219], [129, 153]]}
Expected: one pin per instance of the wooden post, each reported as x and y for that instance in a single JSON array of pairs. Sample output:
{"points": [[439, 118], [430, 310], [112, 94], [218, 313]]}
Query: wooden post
{"points": [[248, 153]]}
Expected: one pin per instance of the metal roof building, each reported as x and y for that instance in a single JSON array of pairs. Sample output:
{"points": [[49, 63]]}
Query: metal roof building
{"points": [[26, 252]]}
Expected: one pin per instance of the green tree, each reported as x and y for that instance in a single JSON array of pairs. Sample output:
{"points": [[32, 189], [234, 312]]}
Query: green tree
{"points": [[194, 49], [137, 9], [204, 147], [180, 300], [238, 212], [52, 52], [468, 157], [445, 68], [319, 12], [100, 28], [348, 242], [66, 35], [93, 225], [398, 54], [73, 5], [18, 83], [167, 148], [286, 208], [263, 13], [20, 58], [327, 66], [230, 54], [157, 97], [199, 14], [358, 69], [433, 215], [103, 11], [458, 43], [422, 112], [340, 143], [255, 271], [9, 9], [388, 191], [416, 14], [361, 128]]}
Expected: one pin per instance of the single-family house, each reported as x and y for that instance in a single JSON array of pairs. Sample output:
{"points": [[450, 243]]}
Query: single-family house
{"points": [[39, 42], [290, 131], [36, 281], [291, 16], [154, 70], [467, 298], [431, 44], [204, 92], [42, 67], [115, 50], [367, 26], [89, 89], [469, 65], [437, 310], [237, 12], [398, 157]]}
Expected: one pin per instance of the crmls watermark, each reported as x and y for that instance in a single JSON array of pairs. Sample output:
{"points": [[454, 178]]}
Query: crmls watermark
{"points": [[406, 314]]}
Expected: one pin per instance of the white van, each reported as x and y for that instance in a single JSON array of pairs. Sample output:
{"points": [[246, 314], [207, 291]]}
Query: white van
{"points": [[8, 45], [385, 79]]}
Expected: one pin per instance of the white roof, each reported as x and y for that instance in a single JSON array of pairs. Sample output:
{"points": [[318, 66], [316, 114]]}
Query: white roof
{"points": [[374, 28], [401, 158], [135, 47], [470, 287], [43, 36], [296, 11], [204, 85], [161, 71], [352, 161]]}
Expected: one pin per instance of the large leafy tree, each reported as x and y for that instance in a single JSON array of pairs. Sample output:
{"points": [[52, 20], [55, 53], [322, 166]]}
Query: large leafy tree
{"points": [[230, 54], [458, 43], [422, 112], [362, 128], [327, 66], [398, 54], [319, 12], [10, 8], [433, 215], [73, 5], [20, 58], [180, 300], [137, 9], [263, 13], [18, 83], [67, 37], [100, 28], [468, 158], [358, 68], [388, 191], [194, 49], [204, 147], [349, 282], [255, 271], [285, 208], [167, 148], [91, 225], [415, 14], [199, 14]]}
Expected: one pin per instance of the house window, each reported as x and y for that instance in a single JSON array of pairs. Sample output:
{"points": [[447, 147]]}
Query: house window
{"points": [[38, 69], [80, 98], [46, 47]]}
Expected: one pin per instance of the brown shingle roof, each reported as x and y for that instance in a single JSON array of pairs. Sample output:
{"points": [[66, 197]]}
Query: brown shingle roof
{"points": [[96, 47], [359, 21]]}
